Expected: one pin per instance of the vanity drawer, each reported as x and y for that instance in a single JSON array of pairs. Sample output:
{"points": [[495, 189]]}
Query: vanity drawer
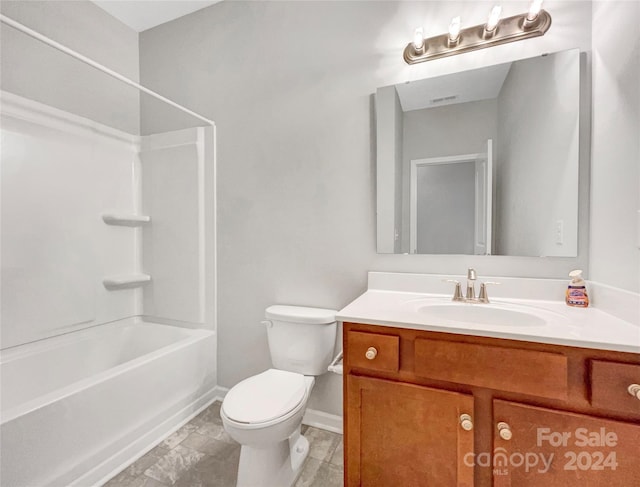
{"points": [[610, 382], [542, 374], [372, 351]]}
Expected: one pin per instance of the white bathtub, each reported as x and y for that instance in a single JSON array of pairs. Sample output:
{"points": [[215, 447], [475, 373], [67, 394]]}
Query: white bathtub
{"points": [[78, 406]]}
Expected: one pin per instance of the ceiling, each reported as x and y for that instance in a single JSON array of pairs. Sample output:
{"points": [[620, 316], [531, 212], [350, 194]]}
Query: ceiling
{"points": [[466, 86], [144, 14]]}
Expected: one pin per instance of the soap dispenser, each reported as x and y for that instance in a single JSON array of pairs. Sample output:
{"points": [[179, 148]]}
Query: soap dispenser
{"points": [[577, 291]]}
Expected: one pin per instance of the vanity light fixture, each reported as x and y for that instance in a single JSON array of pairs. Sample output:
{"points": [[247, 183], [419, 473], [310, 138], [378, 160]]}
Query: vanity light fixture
{"points": [[454, 32], [418, 41], [534, 12], [495, 31], [492, 22]]}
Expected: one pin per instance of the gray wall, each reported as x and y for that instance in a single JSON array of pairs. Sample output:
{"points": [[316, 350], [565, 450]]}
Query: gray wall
{"points": [[389, 177], [289, 86], [82, 26], [615, 173], [33, 70], [538, 151], [451, 130], [397, 175]]}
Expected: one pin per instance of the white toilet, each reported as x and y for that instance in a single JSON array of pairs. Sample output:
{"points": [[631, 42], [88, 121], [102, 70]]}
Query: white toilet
{"points": [[264, 412]]}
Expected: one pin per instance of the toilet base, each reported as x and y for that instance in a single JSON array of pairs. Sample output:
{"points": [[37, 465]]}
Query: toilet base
{"points": [[278, 464]]}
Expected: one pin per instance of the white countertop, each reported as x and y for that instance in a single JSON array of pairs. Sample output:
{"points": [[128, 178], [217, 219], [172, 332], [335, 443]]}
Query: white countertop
{"points": [[578, 327]]}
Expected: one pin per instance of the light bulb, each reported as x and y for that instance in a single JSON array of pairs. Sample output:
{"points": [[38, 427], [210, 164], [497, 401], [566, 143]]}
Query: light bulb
{"points": [[454, 29], [534, 9], [494, 18], [418, 39]]}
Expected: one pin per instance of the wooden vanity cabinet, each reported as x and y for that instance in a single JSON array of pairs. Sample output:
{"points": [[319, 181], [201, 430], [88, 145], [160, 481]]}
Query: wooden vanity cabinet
{"points": [[408, 434], [438, 409], [554, 448]]}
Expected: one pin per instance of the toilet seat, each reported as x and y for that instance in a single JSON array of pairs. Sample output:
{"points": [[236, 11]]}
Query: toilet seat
{"points": [[265, 397]]}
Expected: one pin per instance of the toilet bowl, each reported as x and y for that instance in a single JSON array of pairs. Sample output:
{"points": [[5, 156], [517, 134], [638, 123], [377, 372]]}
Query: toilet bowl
{"points": [[264, 412]]}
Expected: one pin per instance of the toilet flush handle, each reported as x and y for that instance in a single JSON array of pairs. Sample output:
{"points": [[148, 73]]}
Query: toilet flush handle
{"points": [[267, 323]]}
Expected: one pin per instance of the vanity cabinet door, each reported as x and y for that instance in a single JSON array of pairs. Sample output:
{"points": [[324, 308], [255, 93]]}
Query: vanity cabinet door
{"points": [[406, 435], [537, 447]]}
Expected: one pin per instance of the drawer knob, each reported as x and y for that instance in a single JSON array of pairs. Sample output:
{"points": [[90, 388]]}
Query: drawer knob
{"points": [[466, 422], [634, 390], [504, 430], [371, 353]]}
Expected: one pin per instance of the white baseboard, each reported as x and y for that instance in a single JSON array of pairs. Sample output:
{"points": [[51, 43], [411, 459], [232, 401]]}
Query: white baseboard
{"points": [[219, 392], [312, 417], [322, 420]]}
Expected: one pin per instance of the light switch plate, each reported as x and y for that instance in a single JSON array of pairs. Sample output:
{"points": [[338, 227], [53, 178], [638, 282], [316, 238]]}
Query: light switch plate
{"points": [[560, 232]]}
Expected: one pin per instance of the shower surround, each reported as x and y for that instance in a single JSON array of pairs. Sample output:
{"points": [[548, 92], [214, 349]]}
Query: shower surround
{"points": [[108, 266]]}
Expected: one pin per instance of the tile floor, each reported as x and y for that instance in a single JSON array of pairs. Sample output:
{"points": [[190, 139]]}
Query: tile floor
{"points": [[201, 454]]}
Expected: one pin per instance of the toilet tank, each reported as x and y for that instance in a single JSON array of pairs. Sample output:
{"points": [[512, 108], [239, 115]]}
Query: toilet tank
{"points": [[301, 339]]}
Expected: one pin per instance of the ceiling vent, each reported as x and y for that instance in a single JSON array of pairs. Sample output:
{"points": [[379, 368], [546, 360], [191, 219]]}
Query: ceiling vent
{"points": [[444, 99]]}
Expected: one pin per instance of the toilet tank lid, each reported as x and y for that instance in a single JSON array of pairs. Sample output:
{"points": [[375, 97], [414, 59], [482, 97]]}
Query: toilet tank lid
{"points": [[301, 314]]}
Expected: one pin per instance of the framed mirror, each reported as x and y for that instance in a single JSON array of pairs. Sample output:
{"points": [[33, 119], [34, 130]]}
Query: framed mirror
{"points": [[481, 162]]}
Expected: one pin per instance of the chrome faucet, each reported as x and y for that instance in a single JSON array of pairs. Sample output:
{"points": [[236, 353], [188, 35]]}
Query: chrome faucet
{"points": [[471, 284], [470, 297], [457, 294]]}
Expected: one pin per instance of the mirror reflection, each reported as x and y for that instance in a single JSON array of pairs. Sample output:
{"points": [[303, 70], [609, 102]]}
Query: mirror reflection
{"points": [[481, 162]]}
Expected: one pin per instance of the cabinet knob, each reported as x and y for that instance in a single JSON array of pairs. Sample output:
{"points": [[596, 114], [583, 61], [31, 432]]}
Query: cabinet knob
{"points": [[371, 353], [634, 390], [466, 422], [504, 430]]}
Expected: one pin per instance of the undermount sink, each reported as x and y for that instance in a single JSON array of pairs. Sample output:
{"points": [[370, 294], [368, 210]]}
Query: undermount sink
{"points": [[480, 314]]}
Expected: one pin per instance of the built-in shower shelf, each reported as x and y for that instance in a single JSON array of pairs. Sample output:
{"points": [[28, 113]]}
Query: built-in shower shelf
{"points": [[125, 281], [125, 219]]}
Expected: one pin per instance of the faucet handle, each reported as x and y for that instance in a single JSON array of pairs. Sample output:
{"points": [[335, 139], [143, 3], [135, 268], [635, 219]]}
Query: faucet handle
{"points": [[483, 297], [457, 294]]}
